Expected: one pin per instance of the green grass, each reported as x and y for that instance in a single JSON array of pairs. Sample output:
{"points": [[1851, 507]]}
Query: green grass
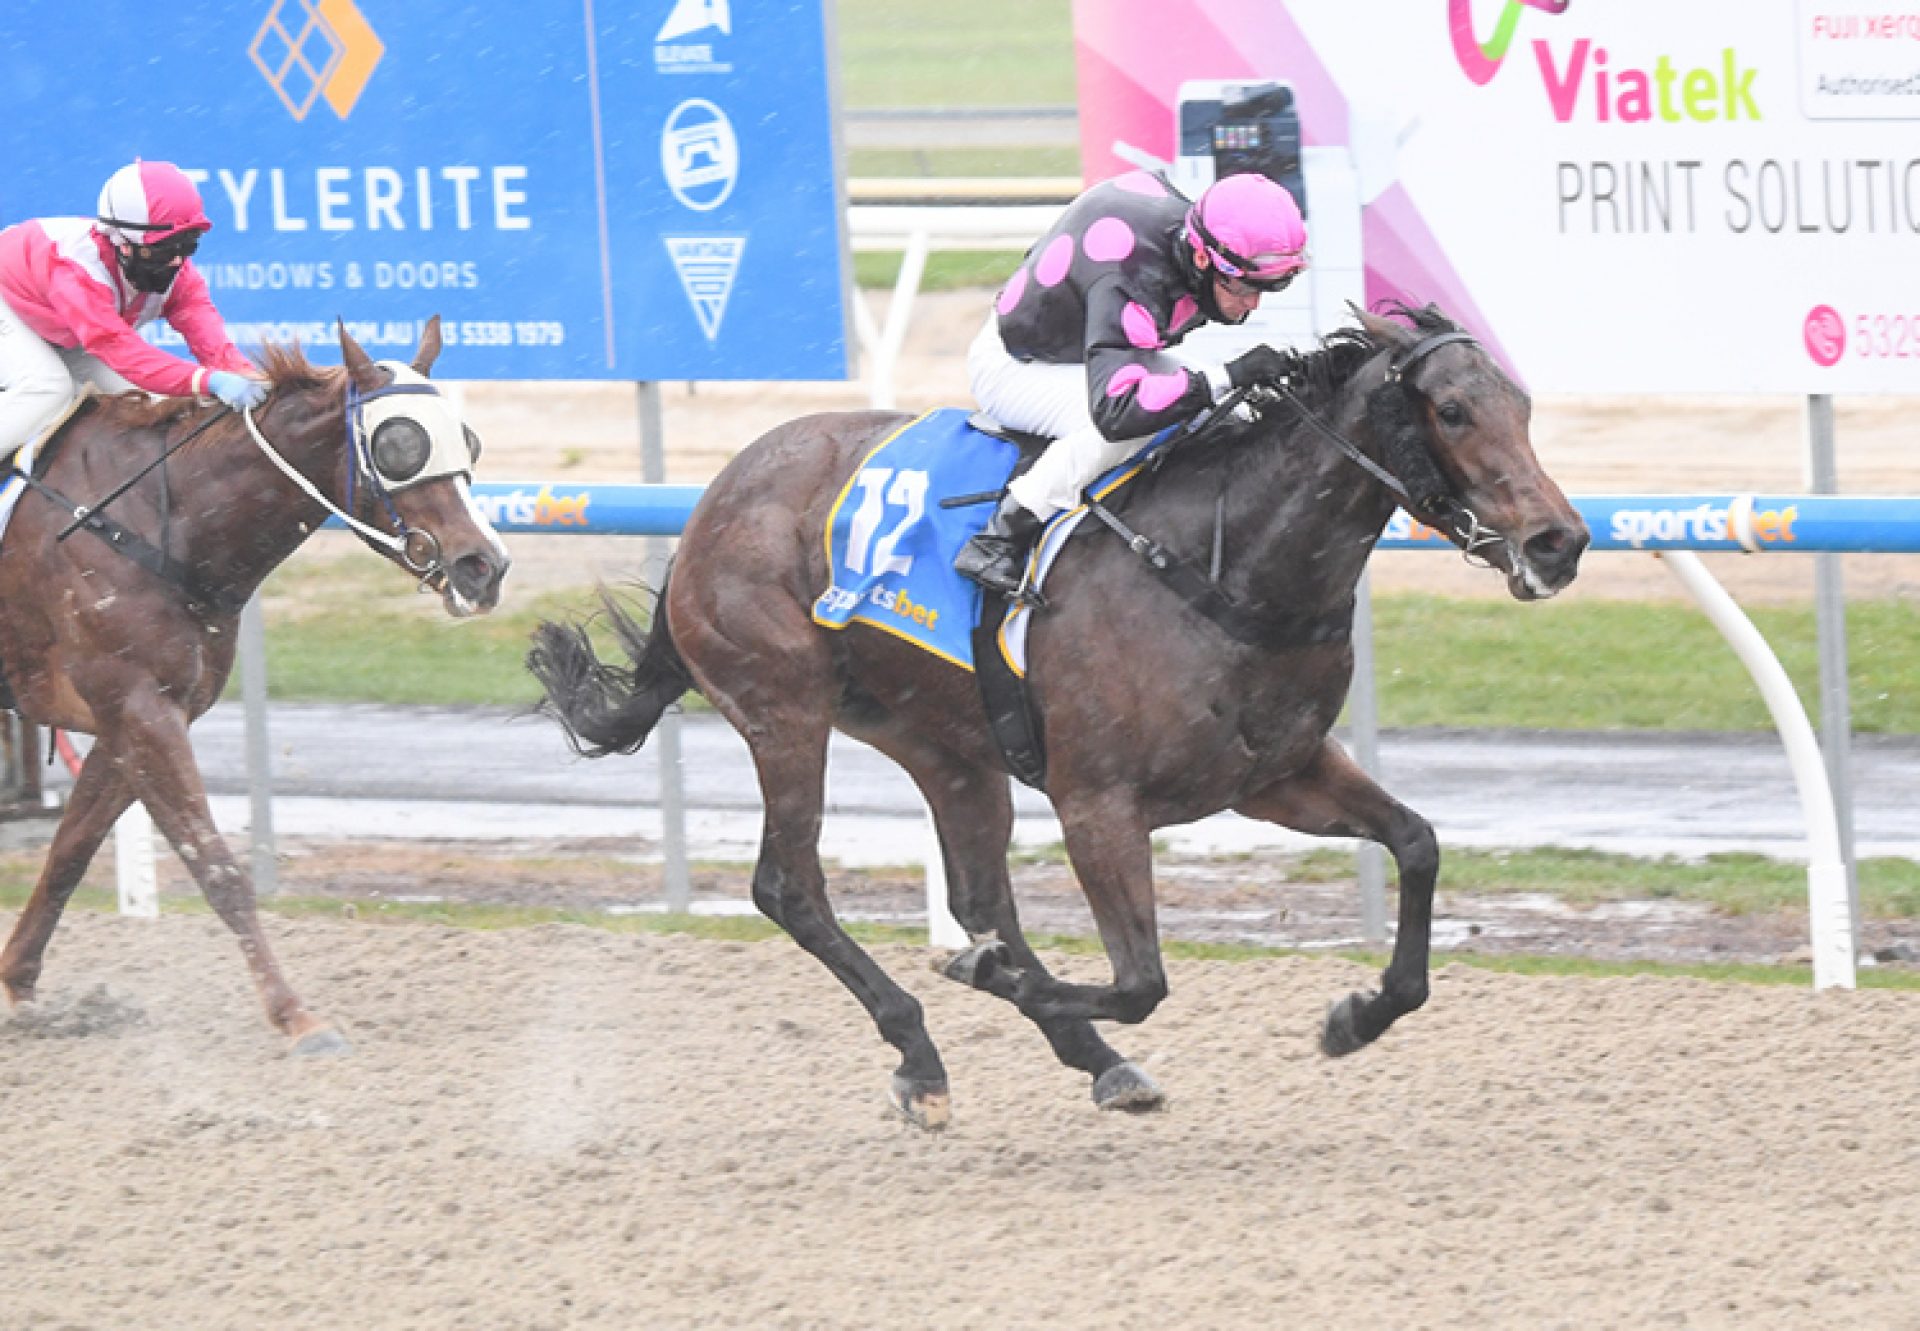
{"points": [[1625, 666], [1732, 884], [360, 635], [13, 895], [935, 53], [947, 270], [996, 161]]}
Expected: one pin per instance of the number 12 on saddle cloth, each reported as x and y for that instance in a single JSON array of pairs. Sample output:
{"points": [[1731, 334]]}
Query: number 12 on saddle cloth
{"points": [[891, 546]]}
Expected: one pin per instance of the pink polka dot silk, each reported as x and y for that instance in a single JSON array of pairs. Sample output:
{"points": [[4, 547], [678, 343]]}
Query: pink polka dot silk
{"points": [[1109, 240], [1015, 288], [1160, 391], [1185, 311], [1055, 260], [1140, 327], [1157, 391]]}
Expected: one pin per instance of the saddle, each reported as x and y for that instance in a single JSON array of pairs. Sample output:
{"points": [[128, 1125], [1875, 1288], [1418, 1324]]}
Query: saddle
{"points": [[1030, 445]]}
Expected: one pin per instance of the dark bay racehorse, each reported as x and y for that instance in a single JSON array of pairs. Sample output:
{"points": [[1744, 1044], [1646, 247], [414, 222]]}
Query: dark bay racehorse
{"points": [[133, 647], [1151, 714]]}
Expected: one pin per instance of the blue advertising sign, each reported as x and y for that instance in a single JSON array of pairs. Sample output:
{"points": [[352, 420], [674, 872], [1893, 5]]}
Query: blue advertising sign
{"points": [[599, 189]]}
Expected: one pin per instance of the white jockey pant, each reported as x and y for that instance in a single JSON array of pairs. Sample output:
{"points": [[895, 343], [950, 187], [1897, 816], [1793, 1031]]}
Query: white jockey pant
{"points": [[1045, 399], [38, 380]]}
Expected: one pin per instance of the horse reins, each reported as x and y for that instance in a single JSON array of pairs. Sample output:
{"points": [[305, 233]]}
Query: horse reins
{"points": [[1202, 590], [415, 549], [122, 538], [424, 565], [1459, 523]]}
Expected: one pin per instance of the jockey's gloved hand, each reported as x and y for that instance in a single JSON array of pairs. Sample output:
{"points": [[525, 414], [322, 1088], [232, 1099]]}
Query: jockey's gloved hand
{"points": [[236, 390], [1259, 365]]}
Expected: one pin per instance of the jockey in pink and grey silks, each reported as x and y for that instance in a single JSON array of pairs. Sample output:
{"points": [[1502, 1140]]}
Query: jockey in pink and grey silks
{"points": [[74, 292], [1076, 346]]}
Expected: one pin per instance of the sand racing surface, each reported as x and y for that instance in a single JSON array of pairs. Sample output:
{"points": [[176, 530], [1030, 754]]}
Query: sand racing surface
{"points": [[558, 1127]]}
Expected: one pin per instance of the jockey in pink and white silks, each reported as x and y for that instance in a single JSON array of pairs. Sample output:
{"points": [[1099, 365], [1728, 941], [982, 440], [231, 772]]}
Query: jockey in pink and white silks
{"points": [[75, 290], [1075, 347]]}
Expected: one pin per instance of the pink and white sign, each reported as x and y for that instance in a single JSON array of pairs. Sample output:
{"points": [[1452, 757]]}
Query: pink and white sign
{"points": [[1631, 197]]}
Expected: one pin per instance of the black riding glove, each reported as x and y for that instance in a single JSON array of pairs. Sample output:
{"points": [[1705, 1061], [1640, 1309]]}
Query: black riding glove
{"points": [[1260, 365]]}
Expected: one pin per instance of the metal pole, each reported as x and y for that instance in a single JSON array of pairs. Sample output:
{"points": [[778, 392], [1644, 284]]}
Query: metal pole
{"points": [[1830, 617], [673, 804], [1365, 712], [253, 693]]}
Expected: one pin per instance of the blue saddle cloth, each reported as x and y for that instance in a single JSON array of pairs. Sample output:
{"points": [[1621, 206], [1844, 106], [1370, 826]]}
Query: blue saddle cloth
{"points": [[891, 546]]}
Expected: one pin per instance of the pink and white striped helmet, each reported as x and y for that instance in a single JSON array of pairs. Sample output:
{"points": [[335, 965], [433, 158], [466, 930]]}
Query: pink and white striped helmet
{"points": [[146, 203], [1250, 228]]}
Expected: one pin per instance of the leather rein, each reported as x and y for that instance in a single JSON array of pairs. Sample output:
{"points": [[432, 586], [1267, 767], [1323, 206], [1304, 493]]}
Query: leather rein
{"points": [[415, 549], [1202, 591]]}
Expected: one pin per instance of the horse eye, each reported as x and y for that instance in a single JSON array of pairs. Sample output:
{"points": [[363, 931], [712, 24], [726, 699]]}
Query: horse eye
{"points": [[473, 445], [400, 449], [1452, 414]]}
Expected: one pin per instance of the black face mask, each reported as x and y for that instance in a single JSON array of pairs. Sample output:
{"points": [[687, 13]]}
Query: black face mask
{"points": [[151, 268]]}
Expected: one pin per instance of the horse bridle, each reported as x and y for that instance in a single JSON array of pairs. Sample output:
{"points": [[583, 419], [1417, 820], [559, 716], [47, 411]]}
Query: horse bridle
{"points": [[1444, 513], [414, 548]]}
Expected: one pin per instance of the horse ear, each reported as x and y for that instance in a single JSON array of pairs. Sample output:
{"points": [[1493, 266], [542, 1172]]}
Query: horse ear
{"points": [[364, 372], [1385, 332], [429, 352]]}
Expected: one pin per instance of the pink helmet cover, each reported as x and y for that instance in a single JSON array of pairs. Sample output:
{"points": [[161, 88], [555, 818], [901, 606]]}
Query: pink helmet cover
{"points": [[144, 203], [1250, 227]]}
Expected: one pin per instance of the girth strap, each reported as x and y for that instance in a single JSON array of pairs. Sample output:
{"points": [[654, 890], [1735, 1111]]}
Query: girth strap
{"points": [[1004, 694], [1274, 632], [126, 542]]}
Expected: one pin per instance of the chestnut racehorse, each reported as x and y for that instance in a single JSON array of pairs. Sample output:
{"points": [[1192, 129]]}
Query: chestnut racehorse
{"points": [[127, 562]]}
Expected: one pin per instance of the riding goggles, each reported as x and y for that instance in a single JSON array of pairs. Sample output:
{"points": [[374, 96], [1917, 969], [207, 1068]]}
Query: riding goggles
{"points": [[1248, 286], [1263, 273], [179, 246]]}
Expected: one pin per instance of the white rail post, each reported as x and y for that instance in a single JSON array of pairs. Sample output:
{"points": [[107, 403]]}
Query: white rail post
{"points": [[906, 288], [1829, 914], [134, 870], [942, 929]]}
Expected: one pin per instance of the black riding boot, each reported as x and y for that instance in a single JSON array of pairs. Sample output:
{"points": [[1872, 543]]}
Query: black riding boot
{"points": [[997, 557]]}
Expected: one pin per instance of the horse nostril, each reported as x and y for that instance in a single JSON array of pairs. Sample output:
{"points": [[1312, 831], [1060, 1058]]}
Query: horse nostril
{"points": [[477, 575], [1555, 548]]}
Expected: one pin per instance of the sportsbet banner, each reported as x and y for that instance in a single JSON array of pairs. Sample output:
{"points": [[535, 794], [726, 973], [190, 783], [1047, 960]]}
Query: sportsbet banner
{"points": [[1631, 196]]}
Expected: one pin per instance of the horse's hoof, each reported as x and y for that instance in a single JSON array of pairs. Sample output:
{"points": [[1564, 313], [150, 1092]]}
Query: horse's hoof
{"points": [[320, 1042], [1341, 1035], [978, 963], [1125, 1086], [926, 1107]]}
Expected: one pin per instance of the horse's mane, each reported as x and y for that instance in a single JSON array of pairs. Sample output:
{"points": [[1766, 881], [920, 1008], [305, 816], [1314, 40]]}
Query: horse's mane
{"points": [[288, 367], [285, 368], [1324, 372], [1342, 352]]}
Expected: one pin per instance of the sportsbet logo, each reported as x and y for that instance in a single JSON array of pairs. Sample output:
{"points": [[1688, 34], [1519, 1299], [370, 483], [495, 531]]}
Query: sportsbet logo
{"points": [[313, 48], [541, 508], [1740, 524]]}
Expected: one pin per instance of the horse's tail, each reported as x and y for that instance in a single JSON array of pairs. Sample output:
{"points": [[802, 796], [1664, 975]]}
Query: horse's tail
{"points": [[603, 708]]}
